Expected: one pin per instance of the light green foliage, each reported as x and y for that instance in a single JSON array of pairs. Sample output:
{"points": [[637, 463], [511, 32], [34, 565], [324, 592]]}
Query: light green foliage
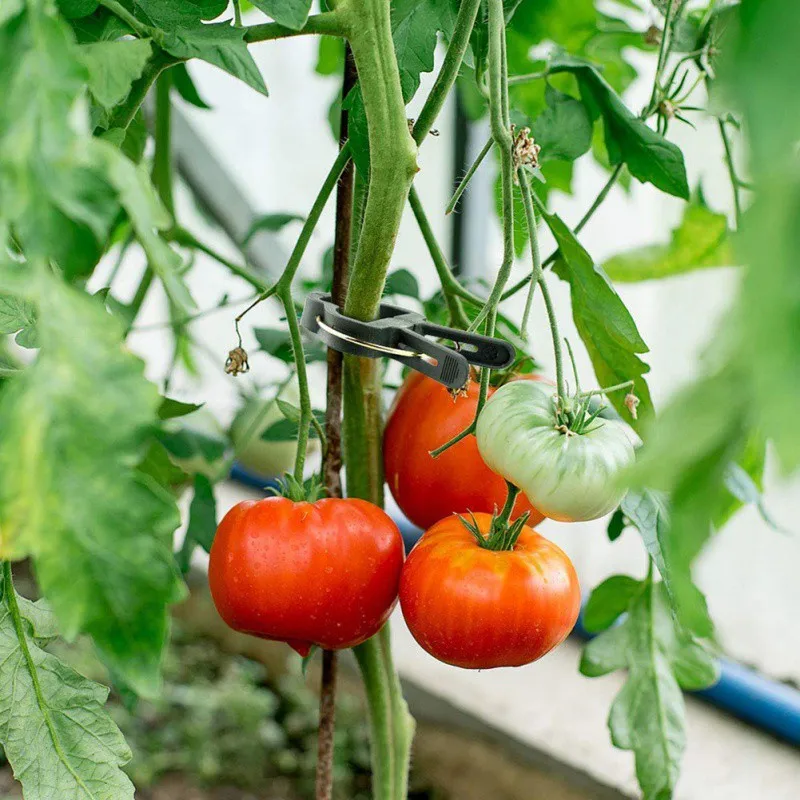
{"points": [[648, 714], [99, 531], [604, 323], [202, 521], [701, 240], [292, 13], [18, 316], [113, 67], [54, 730]]}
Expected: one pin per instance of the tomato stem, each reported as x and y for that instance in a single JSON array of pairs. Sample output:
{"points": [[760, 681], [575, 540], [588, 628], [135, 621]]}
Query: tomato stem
{"points": [[327, 721], [451, 206]]}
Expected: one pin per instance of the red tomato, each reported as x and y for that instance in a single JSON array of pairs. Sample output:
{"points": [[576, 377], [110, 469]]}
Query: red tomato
{"points": [[424, 416], [322, 573], [477, 608]]}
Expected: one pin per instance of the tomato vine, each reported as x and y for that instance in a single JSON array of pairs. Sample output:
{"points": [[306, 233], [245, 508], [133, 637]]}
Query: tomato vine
{"points": [[80, 193]]}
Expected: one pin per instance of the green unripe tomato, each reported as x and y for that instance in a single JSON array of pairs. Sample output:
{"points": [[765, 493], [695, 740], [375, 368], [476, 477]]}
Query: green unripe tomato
{"points": [[269, 459], [568, 476]]}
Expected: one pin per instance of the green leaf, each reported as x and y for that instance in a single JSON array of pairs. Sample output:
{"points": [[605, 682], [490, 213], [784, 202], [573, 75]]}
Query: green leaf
{"points": [[648, 715], [54, 730], [291, 13], [185, 86], [17, 315], [187, 443], [616, 525], [742, 486], [169, 408], [99, 532], [278, 343], [330, 58], [402, 282], [564, 129], [687, 455], [604, 323], [608, 601], [75, 9], [701, 240], [649, 156], [270, 222], [415, 24], [169, 14], [289, 410], [158, 465], [286, 430], [202, 522], [184, 34], [113, 67], [147, 215]]}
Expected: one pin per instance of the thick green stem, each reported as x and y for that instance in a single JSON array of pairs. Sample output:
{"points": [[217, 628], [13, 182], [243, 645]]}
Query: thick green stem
{"points": [[328, 23], [379, 713], [457, 316], [393, 153], [511, 498], [459, 42], [533, 237], [392, 168]]}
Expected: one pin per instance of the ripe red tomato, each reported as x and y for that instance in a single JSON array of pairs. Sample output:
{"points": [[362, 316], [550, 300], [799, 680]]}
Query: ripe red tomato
{"points": [[423, 417], [477, 608], [323, 573]]}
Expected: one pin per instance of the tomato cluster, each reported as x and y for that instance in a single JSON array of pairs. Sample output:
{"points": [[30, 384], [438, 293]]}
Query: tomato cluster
{"points": [[481, 588]]}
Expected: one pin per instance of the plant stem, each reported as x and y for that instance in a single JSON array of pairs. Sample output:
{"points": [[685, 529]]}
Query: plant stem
{"points": [[327, 721], [530, 217], [328, 23], [162, 180], [600, 199], [379, 713], [332, 454], [393, 153], [392, 168], [162, 157], [514, 80], [536, 259], [457, 316], [136, 25], [124, 114], [735, 183], [459, 41], [237, 14], [663, 53], [186, 238], [511, 498], [468, 177]]}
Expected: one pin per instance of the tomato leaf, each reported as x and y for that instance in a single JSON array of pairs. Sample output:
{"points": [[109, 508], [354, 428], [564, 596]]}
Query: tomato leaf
{"points": [[616, 525], [608, 601], [604, 323], [55, 733], [286, 430], [185, 86], [202, 522], [187, 443], [402, 282], [113, 67], [701, 240], [291, 13], [270, 222], [278, 343], [18, 316], [649, 156], [564, 129], [648, 715], [182, 33], [99, 532], [169, 408]]}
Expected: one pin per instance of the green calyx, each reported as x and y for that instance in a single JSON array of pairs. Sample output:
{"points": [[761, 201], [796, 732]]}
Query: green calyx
{"points": [[503, 533], [308, 491]]}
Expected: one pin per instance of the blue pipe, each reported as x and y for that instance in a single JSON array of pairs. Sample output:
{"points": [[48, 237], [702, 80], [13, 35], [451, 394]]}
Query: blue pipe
{"points": [[741, 691]]}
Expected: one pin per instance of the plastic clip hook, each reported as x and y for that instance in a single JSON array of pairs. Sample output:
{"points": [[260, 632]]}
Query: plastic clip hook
{"points": [[403, 336]]}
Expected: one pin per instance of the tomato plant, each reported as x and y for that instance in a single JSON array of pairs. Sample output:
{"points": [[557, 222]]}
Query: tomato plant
{"points": [[571, 473], [477, 607], [92, 444], [323, 573], [423, 417]]}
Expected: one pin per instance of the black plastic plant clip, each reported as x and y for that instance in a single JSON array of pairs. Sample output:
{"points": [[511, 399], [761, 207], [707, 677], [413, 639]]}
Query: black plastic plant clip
{"points": [[402, 335]]}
